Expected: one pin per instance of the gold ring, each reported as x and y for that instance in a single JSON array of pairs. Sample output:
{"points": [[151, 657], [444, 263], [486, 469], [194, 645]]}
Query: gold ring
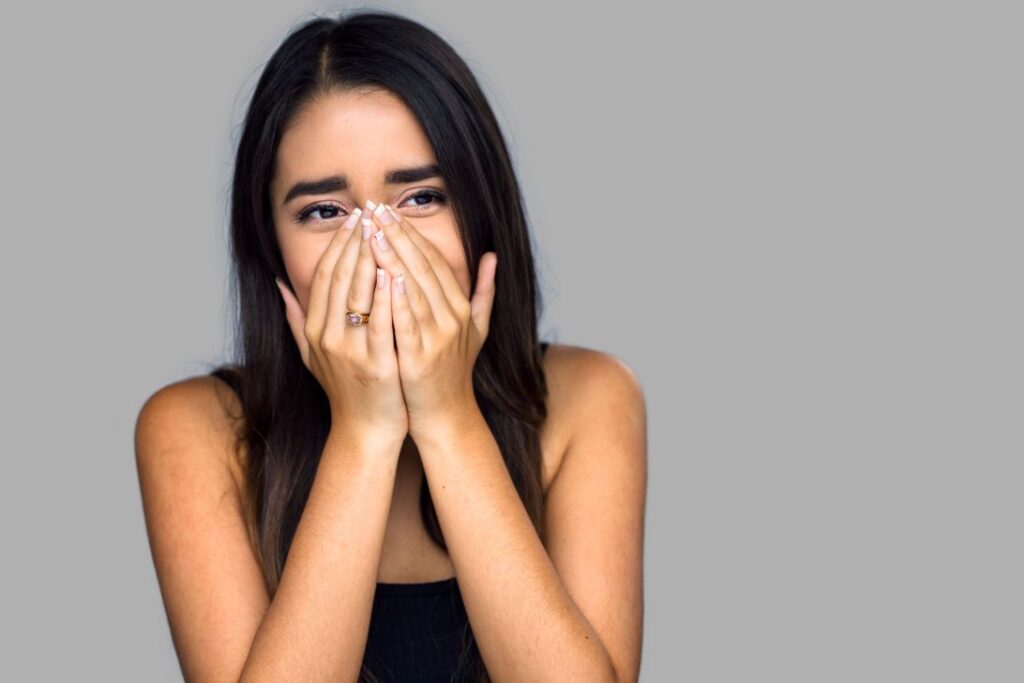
{"points": [[355, 318]]}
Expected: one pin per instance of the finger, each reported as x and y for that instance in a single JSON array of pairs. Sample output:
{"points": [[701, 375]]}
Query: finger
{"points": [[362, 284], [344, 280], [407, 329], [442, 270], [320, 287], [423, 292], [483, 296], [380, 332], [296, 320]]}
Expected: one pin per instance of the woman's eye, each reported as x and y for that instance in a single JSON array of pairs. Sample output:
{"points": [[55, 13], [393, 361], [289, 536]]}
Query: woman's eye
{"points": [[323, 209], [421, 200], [427, 195]]}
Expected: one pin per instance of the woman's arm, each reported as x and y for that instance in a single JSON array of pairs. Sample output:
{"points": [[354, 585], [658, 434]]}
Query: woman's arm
{"points": [[224, 625], [316, 627], [570, 610]]}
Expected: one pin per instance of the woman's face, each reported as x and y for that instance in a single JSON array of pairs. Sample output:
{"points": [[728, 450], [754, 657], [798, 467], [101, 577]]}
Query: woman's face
{"points": [[340, 151]]}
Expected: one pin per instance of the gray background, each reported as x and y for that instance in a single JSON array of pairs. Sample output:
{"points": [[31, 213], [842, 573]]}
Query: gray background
{"points": [[809, 212]]}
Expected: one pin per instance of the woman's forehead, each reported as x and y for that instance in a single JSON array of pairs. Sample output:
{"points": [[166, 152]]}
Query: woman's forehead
{"points": [[363, 133], [365, 119], [364, 143]]}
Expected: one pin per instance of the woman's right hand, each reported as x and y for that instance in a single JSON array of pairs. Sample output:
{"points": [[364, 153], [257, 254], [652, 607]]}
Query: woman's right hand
{"points": [[357, 366]]}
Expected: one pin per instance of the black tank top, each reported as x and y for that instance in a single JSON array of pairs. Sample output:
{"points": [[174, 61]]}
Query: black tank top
{"points": [[416, 629]]}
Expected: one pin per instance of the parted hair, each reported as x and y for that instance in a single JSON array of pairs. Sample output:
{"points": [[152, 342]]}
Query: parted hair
{"points": [[285, 414]]}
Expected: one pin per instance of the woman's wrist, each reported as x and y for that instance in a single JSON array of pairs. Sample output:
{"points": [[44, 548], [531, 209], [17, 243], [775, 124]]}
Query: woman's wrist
{"points": [[365, 442]]}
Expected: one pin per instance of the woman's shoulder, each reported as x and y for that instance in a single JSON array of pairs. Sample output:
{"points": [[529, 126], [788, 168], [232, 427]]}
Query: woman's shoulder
{"points": [[578, 378], [200, 415], [575, 372], [199, 400]]}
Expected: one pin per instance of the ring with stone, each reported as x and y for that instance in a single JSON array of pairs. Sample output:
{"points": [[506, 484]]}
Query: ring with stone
{"points": [[356, 318]]}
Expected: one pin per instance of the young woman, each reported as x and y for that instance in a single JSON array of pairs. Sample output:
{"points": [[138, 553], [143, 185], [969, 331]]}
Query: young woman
{"points": [[394, 481]]}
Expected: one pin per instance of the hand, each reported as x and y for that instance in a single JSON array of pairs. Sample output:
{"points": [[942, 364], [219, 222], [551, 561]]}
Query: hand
{"points": [[357, 366], [439, 332]]}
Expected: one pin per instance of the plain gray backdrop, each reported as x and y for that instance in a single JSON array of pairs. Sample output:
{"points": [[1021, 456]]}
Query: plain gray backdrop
{"points": [[798, 222]]}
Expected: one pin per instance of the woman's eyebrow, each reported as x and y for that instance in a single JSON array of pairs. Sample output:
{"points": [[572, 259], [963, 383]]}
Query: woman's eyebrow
{"points": [[337, 183]]}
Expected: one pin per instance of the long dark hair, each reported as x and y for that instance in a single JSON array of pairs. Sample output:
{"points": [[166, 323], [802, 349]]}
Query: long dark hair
{"points": [[285, 413]]}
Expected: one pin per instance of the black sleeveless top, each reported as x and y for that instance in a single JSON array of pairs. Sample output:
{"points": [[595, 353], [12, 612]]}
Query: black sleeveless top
{"points": [[416, 629]]}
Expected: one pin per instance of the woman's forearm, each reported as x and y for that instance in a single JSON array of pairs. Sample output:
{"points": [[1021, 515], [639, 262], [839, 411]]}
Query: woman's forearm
{"points": [[526, 623], [316, 626]]}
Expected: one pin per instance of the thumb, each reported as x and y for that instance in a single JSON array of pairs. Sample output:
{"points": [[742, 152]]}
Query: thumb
{"points": [[296, 320], [483, 298]]}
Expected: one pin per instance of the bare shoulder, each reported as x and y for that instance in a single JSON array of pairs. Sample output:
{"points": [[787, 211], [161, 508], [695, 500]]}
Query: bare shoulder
{"points": [[196, 417], [583, 384]]}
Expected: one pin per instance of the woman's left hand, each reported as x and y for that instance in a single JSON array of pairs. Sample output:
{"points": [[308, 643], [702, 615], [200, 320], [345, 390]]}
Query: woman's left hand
{"points": [[438, 332]]}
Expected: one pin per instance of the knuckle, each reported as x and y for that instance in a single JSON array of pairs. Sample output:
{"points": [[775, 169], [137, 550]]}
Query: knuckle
{"points": [[448, 324], [356, 292], [330, 342], [433, 258]]}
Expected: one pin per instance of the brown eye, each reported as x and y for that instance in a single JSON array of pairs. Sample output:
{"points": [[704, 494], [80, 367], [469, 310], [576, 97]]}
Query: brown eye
{"points": [[327, 209], [429, 197]]}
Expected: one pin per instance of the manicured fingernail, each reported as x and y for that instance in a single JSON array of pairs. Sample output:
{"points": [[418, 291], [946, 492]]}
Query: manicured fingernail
{"points": [[380, 278], [400, 282], [383, 214], [281, 290], [371, 205], [381, 240], [351, 221], [367, 227]]}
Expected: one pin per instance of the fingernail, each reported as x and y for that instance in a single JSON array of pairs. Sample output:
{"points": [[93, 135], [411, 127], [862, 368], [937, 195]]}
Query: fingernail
{"points": [[381, 240], [383, 214], [351, 221], [400, 282], [371, 205], [367, 227], [380, 278]]}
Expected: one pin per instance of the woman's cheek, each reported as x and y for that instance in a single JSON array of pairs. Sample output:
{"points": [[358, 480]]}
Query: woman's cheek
{"points": [[302, 262]]}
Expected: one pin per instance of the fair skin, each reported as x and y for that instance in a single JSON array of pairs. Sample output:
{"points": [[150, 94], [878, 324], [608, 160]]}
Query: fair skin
{"points": [[378, 134], [567, 609]]}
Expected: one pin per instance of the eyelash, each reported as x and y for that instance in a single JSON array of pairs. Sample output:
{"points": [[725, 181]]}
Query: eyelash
{"points": [[303, 216]]}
